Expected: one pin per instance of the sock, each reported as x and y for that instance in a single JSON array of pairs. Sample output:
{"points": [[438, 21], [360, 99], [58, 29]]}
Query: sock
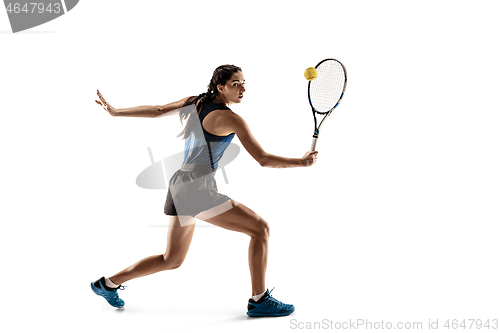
{"points": [[257, 297], [110, 284]]}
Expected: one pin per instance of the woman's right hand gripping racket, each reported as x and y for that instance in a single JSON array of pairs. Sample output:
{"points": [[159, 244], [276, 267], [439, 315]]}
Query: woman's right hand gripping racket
{"points": [[326, 91]]}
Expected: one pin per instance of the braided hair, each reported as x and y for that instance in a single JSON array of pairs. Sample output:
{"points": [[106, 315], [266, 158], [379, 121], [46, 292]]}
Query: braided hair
{"points": [[221, 75]]}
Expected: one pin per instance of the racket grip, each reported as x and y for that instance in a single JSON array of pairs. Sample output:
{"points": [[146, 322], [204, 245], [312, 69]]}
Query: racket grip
{"points": [[313, 145]]}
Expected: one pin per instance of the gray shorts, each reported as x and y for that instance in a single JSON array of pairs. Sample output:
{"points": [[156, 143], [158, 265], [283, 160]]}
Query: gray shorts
{"points": [[192, 190]]}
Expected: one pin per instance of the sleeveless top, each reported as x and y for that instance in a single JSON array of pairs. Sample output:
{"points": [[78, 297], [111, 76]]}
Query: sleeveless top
{"points": [[202, 147]]}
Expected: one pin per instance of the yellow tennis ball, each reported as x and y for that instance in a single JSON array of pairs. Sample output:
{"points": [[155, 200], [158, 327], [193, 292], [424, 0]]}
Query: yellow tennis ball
{"points": [[311, 73]]}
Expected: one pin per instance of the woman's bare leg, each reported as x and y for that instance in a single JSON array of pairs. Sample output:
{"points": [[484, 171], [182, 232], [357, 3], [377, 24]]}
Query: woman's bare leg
{"points": [[242, 219], [178, 242]]}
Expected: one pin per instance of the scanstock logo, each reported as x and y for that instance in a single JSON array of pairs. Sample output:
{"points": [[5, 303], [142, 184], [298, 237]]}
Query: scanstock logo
{"points": [[28, 14]]}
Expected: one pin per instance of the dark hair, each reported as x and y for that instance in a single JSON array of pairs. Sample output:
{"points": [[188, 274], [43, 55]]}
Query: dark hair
{"points": [[221, 75]]}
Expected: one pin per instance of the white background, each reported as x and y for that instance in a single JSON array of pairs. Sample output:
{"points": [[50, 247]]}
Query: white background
{"points": [[397, 221]]}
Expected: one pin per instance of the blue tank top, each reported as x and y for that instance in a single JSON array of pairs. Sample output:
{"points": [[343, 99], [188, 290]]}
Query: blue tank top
{"points": [[202, 147]]}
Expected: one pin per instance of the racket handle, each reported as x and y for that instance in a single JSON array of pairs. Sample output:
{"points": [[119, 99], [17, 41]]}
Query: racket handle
{"points": [[313, 145]]}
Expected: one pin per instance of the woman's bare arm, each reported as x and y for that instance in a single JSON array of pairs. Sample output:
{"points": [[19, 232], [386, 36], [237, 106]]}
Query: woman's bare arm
{"points": [[231, 122], [149, 111], [152, 111]]}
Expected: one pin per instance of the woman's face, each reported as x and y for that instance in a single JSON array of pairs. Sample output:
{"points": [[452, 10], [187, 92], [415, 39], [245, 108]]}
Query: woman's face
{"points": [[232, 91]]}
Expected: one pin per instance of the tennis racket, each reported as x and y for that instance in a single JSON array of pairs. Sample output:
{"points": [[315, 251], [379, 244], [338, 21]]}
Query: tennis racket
{"points": [[326, 91]]}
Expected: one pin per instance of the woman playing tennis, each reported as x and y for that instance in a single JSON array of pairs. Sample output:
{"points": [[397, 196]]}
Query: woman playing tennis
{"points": [[193, 194]]}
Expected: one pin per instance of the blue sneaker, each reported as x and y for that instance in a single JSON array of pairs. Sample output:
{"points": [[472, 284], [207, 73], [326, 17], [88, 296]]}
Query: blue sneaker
{"points": [[110, 294], [268, 306]]}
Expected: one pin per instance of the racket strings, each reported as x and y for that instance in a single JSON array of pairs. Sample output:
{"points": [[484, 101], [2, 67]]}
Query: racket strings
{"points": [[327, 88]]}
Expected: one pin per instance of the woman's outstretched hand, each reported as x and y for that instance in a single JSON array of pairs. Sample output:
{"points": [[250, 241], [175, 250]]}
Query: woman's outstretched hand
{"points": [[112, 111], [309, 158]]}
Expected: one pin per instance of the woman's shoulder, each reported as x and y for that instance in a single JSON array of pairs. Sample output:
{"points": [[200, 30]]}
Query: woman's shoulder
{"points": [[220, 121]]}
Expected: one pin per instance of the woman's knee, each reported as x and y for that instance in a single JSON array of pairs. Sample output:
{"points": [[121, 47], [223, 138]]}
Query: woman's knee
{"points": [[172, 262], [261, 230]]}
